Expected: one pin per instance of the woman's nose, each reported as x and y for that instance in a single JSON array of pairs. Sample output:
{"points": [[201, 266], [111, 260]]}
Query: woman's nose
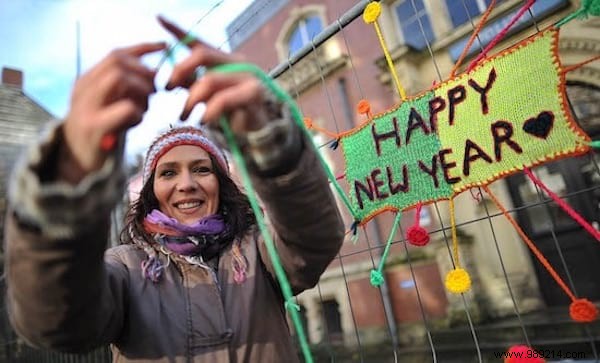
{"points": [[186, 182]]}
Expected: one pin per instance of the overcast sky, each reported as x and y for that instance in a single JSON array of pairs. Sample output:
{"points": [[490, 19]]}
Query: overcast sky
{"points": [[39, 38]]}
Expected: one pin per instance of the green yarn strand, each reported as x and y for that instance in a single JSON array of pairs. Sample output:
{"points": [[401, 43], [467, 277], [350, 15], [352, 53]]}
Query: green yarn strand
{"points": [[284, 284], [377, 275], [262, 226], [296, 115], [587, 8]]}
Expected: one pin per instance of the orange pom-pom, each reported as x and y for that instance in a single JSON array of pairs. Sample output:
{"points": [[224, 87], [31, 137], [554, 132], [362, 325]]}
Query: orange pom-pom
{"points": [[523, 354], [363, 107], [417, 235], [308, 122], [583, 311]]}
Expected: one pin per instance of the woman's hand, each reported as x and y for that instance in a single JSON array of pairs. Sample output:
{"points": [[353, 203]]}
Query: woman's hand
{"points": [[238, 96], [108, 99]]}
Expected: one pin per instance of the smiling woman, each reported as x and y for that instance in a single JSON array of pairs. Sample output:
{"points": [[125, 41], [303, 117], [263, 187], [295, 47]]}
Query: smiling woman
{"points": [[185, 185], [193, 280]]}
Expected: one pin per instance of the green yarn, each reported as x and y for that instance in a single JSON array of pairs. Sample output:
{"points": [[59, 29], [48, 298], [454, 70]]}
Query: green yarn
{"points": [[376, 275], [591, 7], [262, 226], [587, 8], [291, 305], [595, 144], [376, 278]]}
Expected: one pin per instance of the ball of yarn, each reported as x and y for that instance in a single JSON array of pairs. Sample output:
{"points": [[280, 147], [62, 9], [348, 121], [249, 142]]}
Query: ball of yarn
{"points": [[583, 311], [527, 355], [371, 12], [417, 235], [458, 281], [363, 107]]}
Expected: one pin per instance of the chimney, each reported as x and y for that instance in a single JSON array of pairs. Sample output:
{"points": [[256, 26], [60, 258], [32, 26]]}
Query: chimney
{"points": [[12, 77]]}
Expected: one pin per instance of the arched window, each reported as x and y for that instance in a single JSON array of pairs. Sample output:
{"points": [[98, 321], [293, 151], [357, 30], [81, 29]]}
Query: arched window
{"points": [[305, 30]]}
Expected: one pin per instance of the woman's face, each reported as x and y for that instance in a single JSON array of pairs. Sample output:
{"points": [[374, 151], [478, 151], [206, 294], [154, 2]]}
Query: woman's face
{"points": [[186, 185]]}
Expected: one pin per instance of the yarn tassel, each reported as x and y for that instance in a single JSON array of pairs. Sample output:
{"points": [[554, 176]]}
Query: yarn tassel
{"points": [[458, 280], [370, 15], [152, 268], [334, 144], [581, 309], [587, 8], [377, 274], [239, 263], [417, 235], [364, 108], [354, 231]]}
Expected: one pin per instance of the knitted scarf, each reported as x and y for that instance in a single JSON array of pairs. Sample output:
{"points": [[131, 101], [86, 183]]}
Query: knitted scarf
{"points": [[205, 239]]}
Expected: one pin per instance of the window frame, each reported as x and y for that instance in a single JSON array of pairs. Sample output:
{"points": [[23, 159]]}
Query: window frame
{"points": [[415, 20]]}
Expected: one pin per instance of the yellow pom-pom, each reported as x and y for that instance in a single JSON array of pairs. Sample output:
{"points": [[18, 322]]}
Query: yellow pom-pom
{"points": [[458, 281], [371, 12]]}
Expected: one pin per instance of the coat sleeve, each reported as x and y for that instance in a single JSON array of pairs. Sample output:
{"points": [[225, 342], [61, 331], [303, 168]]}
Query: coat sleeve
{"points": [[60, 293], [302, 211]]}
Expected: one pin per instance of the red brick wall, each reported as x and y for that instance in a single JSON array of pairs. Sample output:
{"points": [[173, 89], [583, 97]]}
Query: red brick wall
{"points": [[431, 289], [367, 305]]}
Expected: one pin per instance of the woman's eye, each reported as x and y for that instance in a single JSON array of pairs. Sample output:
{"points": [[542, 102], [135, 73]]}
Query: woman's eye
{"points": [[167, 173], [202, 170]]}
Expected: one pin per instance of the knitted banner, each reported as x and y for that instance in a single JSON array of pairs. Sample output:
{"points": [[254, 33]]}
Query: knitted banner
{"points": [[508, 113]]}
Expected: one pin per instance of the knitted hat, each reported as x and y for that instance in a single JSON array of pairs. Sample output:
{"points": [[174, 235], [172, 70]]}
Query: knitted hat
{"points": [[177, 136]]}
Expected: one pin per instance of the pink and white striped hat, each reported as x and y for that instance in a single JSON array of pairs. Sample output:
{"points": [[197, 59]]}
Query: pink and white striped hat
{"points": [[186, 135]]}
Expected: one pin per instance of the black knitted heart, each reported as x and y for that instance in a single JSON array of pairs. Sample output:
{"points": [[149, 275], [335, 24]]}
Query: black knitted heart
{"points": [[541, 125]]}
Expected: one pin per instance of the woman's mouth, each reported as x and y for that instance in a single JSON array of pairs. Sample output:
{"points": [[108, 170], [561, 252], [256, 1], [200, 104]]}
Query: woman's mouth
{"points": [[186, 206]]}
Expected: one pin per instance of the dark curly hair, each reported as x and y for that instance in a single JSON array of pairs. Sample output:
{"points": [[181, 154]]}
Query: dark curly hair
{"points": [[233, 205]]}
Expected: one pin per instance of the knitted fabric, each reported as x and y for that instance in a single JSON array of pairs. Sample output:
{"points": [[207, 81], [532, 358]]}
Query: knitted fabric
{"points": [[508, 113], [177, 136]]}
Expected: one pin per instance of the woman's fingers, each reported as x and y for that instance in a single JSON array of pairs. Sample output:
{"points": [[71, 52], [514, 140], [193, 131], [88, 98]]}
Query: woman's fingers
{"points": [[245, 99], [121, 115], [201, 54], [139, 50], [204, 88], [177, 32]]}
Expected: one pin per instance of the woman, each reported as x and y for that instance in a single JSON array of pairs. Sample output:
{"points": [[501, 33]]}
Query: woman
{"points": [[193, 283]]}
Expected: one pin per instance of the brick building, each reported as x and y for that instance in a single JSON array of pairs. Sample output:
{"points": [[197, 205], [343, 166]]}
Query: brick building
{"points": [[425, 42]]}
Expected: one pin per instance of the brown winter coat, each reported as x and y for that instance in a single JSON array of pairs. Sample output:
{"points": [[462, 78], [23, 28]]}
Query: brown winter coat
{"points": [[63, 296]]}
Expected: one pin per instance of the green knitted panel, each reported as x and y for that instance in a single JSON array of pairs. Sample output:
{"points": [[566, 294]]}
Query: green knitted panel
{"points": [[386, 172]]}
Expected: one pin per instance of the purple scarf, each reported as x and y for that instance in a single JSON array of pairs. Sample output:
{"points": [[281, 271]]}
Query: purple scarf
{"points": [[206, 237]]}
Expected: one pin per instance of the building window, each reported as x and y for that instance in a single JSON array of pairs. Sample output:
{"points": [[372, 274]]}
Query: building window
{"points": [[333, 319], [409, 23], [305, 30], [461, 10], [583, 99]]}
